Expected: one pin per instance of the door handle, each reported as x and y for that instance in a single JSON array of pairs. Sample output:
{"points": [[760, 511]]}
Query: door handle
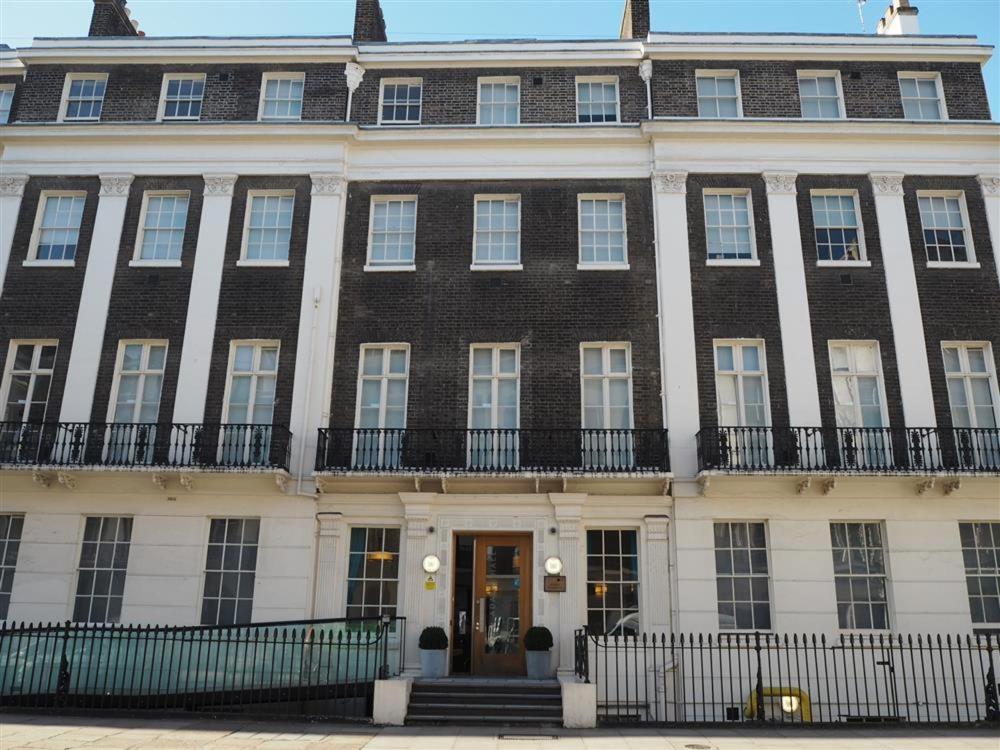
{"points": [[481, 620]]}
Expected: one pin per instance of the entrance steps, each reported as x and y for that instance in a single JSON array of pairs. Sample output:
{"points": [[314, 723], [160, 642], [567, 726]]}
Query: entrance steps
{"points": [[470, 700]]}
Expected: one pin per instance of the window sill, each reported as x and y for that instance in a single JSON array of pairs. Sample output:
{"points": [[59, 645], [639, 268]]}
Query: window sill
{"points": [[49, 263], [280, 119], [154, 264], [393, 123], [951, 264], [843, 264], [734, 263], [262, 263], [80, 119], [389, 269], [179, 119], [496, 267], [602, 266]]}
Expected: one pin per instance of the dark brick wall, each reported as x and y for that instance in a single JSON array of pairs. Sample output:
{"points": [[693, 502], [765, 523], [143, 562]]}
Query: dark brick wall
{"points": [[858, 310], [734, 302], [42, 303], [232, 92], [770, 88], [110, 19], [635, 21], [955, 304], [149, 303], [549, 308], [450, 94], [260, 302], [369, 24]]}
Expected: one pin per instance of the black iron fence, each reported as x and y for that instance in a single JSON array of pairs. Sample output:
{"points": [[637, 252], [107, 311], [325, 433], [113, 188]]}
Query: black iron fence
{"points": [[791, 679], [492, 451], [316, 667], [849, 449], [127, 445]]}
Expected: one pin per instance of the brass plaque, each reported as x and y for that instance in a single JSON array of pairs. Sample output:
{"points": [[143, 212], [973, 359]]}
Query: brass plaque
{"points": [[555, 584]]}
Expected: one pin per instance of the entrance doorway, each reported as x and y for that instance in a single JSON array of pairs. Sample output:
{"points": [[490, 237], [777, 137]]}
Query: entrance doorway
{"points": [[492, 603]]}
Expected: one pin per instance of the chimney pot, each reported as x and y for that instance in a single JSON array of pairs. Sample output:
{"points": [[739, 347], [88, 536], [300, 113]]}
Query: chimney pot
{"points": [[111, 18], [899, 19]]}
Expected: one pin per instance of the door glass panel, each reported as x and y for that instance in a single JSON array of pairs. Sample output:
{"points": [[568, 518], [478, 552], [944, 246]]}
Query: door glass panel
{"points": [[502, 626]]}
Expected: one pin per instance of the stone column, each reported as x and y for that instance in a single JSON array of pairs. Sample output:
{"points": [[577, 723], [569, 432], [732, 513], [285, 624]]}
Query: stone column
{"points": [[203, 305], [329, 601], [655, 616], [990, 185], [317, 318], [11, 192], [88, 337], [418, 603], [793, 301], [572, 552], [676, 318], [904, 302]]}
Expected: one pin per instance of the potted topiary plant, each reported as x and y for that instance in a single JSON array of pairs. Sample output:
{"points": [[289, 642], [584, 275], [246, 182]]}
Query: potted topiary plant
{"points": [[537, 642], [433, 652]]}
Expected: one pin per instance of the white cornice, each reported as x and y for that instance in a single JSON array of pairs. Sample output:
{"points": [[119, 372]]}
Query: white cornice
{"points": [[895, 130]]}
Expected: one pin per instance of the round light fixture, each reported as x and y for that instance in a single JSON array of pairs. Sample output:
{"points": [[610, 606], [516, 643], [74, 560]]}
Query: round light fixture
{"points": [[789, 703], [431, 564], [553, 566]]}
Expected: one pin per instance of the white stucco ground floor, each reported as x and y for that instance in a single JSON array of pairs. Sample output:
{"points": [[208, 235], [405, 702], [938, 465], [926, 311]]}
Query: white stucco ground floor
{"points": [[783, 554]]}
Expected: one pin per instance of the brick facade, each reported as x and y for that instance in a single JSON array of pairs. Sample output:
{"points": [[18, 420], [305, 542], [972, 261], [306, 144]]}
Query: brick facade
{"points": [[149, 303], [549, 307], [39, 302], [734, 302]]}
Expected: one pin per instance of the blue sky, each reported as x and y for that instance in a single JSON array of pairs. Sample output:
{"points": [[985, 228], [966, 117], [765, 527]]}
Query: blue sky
{"points": [[449, 20]]}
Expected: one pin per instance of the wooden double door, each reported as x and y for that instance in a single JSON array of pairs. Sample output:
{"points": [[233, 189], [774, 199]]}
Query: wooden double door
{"points": [[500, 602]]}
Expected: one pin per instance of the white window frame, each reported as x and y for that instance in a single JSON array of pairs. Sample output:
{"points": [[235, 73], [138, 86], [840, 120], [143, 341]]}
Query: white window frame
{"points": [[966, 230], [966, 375], [835, 75], [719, 73], [979, 572], [370, 264], [494, 379], [137, 259], [11, 534], [923, 76], [599, 79], [36, 232], [739, 372], [279, 76], [8, 370], [606, 580], [11, 88], [886, 580], [854, 373], [161, 109], [384, 378], [258, 344], [75, 592], [244, 245], [612, 451], [400, 81], [379, 525], [222, 570], [582, 265], [754, 259], [479, 265], [508, 80], [64, 100], [142, 372], [864, 262], [751, 575]]}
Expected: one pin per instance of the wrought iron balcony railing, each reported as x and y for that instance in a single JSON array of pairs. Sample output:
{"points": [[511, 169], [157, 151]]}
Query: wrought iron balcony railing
{"points": [[132, 445], [849, 449], [500, 451]]}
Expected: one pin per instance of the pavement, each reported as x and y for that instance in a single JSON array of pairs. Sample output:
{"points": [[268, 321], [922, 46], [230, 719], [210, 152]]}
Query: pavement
{"points": [[21, 731]]}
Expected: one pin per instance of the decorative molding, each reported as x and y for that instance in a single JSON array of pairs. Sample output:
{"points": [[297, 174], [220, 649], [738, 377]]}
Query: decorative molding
{"points": [[354, 74], [646, 70], [41, 478], [66, 480], [670, 182], [160, 481], [115, 185], [887, 183], [925, 485], [704, 482], [331, 523], [990, 184], [328, 184], [802, 485], [12, 185], [951, 486], [657, 527], [780, 183], [187, 482], [829, 485], [281, 482], [220, 184]]}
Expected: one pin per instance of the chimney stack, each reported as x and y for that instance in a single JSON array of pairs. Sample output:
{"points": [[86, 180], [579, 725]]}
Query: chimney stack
{"points": [[111, 18], [635, 19], [899, 19], [369, 23]]}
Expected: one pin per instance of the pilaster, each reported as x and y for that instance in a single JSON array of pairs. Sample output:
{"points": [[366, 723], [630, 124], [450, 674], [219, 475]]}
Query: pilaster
{"points": [[656, 598], [11, 192], [904, 301], [329, 586], [88, 336], [317, 318], [572, 552], [990, 185], [417, 603], [203, 304], [676, 320], [793, 300]]}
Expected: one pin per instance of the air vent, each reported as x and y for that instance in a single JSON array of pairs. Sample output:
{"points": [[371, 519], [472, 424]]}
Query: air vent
{"points": [[846, 280], [733, 713], [223, 76], [537, 81], [855, 75]]}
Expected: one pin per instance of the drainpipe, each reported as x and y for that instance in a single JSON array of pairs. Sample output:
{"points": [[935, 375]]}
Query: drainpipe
{"points": [[646, 74], [304, 426], [354, 74]]}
